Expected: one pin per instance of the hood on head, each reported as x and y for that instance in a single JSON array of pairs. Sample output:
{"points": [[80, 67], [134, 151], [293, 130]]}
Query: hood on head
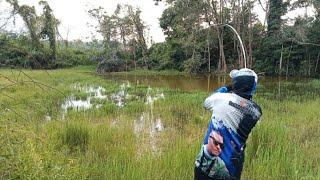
{"points": [[244, 82], [243, 72]]}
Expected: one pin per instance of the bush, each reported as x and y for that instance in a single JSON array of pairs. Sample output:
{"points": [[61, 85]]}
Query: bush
{"points": [[72, 57], [12, 53], [160, 56], [193, 65], [113, 64], [38, 59], [16, 51]]}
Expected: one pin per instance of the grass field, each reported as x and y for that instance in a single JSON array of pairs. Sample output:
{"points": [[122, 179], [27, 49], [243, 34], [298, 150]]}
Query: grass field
{"points": [[136, 132]]}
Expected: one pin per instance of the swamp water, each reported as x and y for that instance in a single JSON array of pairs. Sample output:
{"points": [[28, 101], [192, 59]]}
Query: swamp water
{"points": [[148, 126], [280, 87]]}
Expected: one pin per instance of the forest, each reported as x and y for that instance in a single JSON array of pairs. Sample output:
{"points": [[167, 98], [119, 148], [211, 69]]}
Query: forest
{"points": [[122, 106], [196, 39]]}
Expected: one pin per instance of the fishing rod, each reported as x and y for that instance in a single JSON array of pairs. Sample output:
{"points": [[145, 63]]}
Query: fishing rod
{"points": [[235, 31]]}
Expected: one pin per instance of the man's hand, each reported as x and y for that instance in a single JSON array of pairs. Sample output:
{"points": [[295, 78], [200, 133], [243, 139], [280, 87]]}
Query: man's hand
{"points": [[224, 89]]}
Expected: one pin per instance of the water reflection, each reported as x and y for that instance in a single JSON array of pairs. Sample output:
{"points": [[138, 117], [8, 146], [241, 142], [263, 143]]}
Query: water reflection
{"points": [[187, 83], [280, 87], [91, 92], [96, 92], [72, 103], [148, 128]]}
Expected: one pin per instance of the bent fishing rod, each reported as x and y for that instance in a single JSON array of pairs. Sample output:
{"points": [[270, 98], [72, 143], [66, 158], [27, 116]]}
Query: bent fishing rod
{"points": [[235, 31]]}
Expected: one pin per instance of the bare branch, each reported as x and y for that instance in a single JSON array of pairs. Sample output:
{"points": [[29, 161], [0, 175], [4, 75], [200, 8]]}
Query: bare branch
{"points": [[15, 112]]}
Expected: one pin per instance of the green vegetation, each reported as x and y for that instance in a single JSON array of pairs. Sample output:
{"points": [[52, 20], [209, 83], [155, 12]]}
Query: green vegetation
{"points": [[114, 142], [16, 52], [194, 43], [74, 124], [141, 72]]}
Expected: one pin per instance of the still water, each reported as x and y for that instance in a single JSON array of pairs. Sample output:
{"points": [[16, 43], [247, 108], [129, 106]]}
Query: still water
{"points": [[271, 87], [149, 126]]}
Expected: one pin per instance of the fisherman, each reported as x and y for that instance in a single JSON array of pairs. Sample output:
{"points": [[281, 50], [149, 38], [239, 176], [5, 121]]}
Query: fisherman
{"points": [[234, 114]]}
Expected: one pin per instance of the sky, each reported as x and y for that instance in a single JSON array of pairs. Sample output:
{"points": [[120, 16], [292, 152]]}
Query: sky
{"points": [[76, 23]]}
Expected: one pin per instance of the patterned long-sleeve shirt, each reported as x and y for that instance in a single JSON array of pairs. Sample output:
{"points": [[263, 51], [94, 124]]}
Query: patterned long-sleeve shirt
{"points": [[233, 117]]}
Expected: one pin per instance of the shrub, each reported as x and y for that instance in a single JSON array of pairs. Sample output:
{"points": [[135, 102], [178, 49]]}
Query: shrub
{"points": [[193, 65], [38, 59], [113, 64]]}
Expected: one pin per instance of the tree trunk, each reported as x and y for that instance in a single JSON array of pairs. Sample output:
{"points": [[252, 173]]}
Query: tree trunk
{"points": [[218, 19], [316, 68], [221, 44], [238, 28], [222, 61], [267, 14], [309, 66], [134, 58], [288, 60], [250, 63], [209, 60], [235, 18], [280, 64], [240, 4]]}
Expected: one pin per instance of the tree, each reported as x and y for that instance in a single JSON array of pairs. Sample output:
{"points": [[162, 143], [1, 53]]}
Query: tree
{"points": [[49, 28], [182, 23], [43, 27], [271, 49], [30, 18], [123, 33], [217, 17], [139, 31]]}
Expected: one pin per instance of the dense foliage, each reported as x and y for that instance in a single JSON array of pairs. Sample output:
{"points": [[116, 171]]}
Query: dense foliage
{"points": [[275, 48], [15, 51], [196, 41]]}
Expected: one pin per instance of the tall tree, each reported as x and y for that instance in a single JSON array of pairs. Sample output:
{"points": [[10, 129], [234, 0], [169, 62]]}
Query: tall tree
{"points": [[38, 26], [217, 16], [121, 31], [30, 18], [277, 8], [139, 27], [49, 28], [270, 57]]}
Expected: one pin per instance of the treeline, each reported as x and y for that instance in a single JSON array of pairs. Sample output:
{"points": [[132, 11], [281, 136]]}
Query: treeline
{"points": [[16, 52], [39, 48], [196, 40]]}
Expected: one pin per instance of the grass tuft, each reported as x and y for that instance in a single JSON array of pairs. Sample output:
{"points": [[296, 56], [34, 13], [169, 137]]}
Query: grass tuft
{"points": [[75, 136]]}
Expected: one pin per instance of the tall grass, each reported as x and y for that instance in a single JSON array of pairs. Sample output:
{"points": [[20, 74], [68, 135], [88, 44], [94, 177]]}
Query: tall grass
{"points": [[103, 143], [75, 136]]}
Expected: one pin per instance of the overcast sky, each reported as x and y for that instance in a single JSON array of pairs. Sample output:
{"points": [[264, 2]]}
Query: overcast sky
{"points": [[75, 19]]}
